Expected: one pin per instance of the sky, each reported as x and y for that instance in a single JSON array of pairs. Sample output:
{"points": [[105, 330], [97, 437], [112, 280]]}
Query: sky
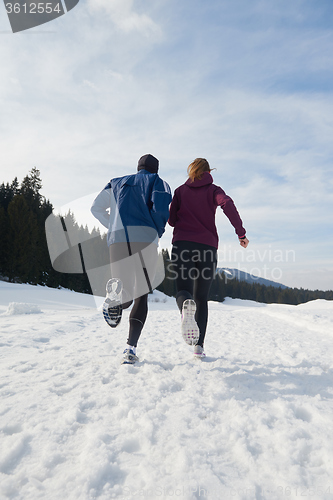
{"points": [[246, 85]]}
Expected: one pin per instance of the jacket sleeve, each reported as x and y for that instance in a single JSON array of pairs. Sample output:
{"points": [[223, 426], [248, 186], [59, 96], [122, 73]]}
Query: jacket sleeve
{"points": [[101, 206], [229, 209], [160, 201], [174, 207]]}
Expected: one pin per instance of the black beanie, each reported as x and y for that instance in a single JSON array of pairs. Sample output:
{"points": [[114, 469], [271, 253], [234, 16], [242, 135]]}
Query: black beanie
{"points": [[149, 163]]}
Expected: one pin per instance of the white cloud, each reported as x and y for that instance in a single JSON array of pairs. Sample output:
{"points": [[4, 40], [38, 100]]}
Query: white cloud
{"points": [[90, 84], [125, 17]]}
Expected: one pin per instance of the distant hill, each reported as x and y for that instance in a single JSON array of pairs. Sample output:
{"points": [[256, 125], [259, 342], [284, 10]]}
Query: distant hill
{"points": [[249, 278]]}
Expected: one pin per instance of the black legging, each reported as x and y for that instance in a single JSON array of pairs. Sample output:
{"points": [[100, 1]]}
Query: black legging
{"points": [[137, 318], [193, 265]]}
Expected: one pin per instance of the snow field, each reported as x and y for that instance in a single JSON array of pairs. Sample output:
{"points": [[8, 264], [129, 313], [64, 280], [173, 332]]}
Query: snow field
{"points": [[252, 421]]}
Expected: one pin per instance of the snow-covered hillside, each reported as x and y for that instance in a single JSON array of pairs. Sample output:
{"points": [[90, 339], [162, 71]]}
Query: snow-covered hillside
{"points": [[252, 421]]}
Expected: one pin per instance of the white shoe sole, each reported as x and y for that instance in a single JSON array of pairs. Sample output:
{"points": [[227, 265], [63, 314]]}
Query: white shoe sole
{"points": [[129, 359], [199, 356], [114, 288], [112, 306], [189, 327]]}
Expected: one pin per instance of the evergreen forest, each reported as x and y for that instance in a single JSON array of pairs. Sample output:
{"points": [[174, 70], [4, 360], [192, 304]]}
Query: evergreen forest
{"points": [[24, 255]]}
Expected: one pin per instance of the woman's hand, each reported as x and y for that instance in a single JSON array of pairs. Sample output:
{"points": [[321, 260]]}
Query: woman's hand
{"points": [[243, 242]]}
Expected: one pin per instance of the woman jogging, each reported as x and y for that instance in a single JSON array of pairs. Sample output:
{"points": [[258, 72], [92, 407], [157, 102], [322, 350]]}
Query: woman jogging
{"points": [[195, 243]]}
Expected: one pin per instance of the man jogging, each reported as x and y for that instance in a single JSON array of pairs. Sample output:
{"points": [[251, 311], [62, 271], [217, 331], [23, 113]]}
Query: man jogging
{"points": [[135, 210]]}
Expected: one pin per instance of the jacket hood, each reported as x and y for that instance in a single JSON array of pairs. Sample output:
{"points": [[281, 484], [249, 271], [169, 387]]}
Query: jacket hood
{"points": [[205, 180]]}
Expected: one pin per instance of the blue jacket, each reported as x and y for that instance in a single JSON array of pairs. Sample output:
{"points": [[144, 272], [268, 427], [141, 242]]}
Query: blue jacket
{"points": [[134, 207]]}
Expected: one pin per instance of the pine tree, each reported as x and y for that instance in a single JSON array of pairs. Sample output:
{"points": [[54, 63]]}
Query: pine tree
{"points": [[23, 242], [3, 240], [30, 189], [7, 193], [47, 273]]}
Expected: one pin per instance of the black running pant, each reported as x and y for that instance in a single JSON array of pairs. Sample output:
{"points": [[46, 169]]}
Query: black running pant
{"points": [[193, 265], [137, 318]]}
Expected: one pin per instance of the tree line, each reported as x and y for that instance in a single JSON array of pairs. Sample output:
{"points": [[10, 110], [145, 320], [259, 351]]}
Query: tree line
{"points": [[24, 255]]}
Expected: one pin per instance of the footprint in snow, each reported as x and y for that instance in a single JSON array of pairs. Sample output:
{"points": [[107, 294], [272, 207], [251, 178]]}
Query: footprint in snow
{"points": [[302, 414], [43, 340], [14, 452]]}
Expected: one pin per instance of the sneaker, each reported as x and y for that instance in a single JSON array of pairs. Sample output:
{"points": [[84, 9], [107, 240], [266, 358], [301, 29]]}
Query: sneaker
{"points": [[189, 327], [112, 306], [199, 351], [129, 358]]}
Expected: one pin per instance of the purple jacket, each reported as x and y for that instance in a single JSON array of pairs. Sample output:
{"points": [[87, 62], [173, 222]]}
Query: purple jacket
{"points": [[193, 208]]}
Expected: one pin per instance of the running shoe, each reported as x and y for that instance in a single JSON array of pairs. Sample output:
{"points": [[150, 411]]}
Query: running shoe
{"points": [[189, 327]]}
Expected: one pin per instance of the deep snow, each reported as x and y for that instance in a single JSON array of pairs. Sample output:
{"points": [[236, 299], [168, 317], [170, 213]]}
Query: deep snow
{"points": [[252, 421]]}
